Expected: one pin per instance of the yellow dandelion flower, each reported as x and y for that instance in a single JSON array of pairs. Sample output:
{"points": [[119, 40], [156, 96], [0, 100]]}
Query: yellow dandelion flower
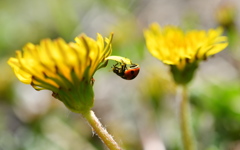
{"points": [[183, 50], [66, 69]]}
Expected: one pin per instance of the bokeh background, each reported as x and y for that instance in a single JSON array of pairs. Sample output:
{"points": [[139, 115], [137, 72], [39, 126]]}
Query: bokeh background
{"points": [[140, 114]]}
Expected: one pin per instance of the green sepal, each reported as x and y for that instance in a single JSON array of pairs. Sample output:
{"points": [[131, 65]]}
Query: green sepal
{"points": [[185, 75], [79, 97]]}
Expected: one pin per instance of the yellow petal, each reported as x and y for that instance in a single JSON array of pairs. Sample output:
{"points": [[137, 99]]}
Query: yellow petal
{"points": [[217, 49], [119, 59], [21, 75], [171, 44]]}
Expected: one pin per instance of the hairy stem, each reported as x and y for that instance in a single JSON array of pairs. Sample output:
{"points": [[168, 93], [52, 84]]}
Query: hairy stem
{"points": [[184, 119], [102, 133]]}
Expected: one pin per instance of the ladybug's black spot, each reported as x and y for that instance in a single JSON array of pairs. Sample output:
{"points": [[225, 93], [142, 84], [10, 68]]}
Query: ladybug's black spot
{"points": [[132, 72]]}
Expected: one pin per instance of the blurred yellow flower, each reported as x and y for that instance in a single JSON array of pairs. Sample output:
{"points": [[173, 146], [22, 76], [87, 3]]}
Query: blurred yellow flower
{"points": [[66, 69], [226, 14], [183, 50], [173, 46]]}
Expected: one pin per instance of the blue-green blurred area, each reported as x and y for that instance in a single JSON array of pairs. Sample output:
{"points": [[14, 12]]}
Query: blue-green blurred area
{"points": [[140, 114]]}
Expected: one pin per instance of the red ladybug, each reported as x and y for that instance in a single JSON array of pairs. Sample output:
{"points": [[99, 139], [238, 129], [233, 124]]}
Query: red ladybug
{"points": [[126, 73]]}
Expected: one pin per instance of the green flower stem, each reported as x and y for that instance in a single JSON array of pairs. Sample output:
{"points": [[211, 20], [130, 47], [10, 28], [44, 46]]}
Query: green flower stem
{"points": [[184, 118], [97, 127]]}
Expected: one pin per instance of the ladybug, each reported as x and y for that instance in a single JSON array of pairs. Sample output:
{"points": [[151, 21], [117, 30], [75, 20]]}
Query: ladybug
{"points": [[125, 72]]}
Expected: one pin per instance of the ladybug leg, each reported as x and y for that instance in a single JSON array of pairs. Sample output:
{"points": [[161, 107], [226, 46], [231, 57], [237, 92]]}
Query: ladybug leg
{"points": [[115, 65], [116, 69], [123, 67]]}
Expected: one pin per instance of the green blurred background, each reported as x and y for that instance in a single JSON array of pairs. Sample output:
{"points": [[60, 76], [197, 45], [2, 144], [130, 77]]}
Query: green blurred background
{"points": [[140, 114]]}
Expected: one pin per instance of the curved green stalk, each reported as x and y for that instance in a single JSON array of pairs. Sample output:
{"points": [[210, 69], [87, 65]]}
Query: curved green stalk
{"points": [[102, 133]]}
